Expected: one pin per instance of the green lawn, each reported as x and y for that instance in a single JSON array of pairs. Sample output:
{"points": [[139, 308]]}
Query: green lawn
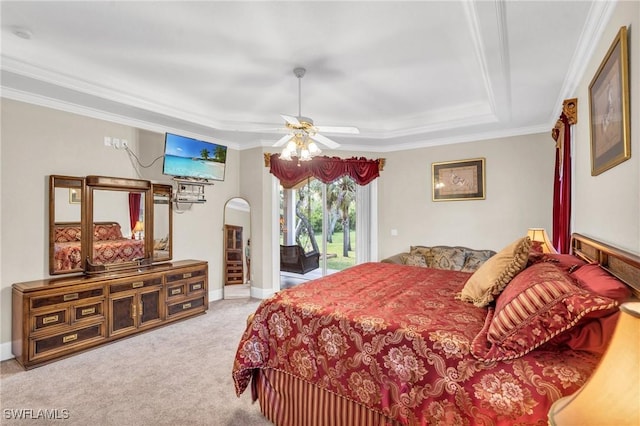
{"points": [[339, 262]]}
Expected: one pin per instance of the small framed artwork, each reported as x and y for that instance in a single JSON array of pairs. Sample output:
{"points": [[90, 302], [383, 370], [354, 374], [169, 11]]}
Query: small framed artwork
{"points": [[609, 108], [458, 180], [75, 195]]}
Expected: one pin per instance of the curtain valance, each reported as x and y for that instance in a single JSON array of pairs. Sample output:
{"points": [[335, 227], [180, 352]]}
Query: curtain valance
{"points": [[325, 169]]}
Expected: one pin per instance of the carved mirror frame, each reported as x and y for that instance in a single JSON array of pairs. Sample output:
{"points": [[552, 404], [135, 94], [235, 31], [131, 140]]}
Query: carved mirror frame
{"points": [[81, 193], [63, 209], [162, 230]]}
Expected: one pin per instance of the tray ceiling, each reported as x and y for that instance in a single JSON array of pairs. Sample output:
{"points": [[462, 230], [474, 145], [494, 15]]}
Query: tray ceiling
{"points": [[407, 74]]}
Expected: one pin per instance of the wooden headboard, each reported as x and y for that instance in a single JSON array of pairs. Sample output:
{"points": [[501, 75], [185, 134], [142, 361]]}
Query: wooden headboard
{"points": [[622, 264]]}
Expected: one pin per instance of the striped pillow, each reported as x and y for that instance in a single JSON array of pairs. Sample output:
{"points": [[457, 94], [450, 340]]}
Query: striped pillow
{"points": [[537, 305]]}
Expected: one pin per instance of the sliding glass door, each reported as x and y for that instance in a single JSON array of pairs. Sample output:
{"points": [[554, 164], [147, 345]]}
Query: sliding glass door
{"points": [[323, 219]]}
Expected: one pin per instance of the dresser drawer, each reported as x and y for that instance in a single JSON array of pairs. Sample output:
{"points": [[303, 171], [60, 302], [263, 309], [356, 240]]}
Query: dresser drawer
{"points": [[195, 287], [175, 309], [132, 285], [54, 299], [173, 277], [176, 290], [88, 311], [49, 319], [60, 342]]}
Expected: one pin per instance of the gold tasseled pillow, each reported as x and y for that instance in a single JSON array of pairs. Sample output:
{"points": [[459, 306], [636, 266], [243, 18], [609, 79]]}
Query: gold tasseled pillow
{"points": [[493, 275]]}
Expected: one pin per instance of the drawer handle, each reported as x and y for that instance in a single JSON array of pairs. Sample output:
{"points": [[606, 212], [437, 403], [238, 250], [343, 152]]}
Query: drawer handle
{"points": [[88, 311], [176, 291], [137, 284], [70, 338], [48, 320], [72, 296], [186, 275], [186, 306], [197, 287]]}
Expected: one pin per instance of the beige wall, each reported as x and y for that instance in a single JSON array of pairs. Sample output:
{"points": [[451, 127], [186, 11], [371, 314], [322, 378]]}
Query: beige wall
{"points": [[607, 206], [38, 142], [519, 195]]}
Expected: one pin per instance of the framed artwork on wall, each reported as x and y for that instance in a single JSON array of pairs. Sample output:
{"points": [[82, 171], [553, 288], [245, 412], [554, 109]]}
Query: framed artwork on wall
{"points": [[458, 180], [75, 196], [609, 108]]}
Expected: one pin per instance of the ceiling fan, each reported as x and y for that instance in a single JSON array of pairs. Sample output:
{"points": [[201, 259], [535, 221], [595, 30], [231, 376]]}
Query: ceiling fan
{"points": [[303, 133]]}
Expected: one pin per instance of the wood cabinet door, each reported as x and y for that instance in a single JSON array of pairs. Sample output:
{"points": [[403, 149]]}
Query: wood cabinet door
{"points": [[123, 313], [150, 305]]}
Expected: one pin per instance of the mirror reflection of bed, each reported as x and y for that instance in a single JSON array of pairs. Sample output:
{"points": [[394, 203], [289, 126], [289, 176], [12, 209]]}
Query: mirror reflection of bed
{"points": [[237, 249]]}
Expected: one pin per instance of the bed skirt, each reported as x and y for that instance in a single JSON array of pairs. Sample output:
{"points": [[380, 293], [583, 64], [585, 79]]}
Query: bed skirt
{"points": [[288, 401]]}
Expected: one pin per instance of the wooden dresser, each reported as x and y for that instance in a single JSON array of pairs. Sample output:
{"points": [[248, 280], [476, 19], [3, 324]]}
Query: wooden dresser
{"points": [[55, 318], [234, 270]]}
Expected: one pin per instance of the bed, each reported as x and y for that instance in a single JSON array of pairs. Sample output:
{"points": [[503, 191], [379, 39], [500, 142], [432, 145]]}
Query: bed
{"points": [[109, 245], [388, 344]]}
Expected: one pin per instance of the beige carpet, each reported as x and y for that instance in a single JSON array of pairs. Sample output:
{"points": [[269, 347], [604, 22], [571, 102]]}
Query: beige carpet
{"points": [[174, 375]]}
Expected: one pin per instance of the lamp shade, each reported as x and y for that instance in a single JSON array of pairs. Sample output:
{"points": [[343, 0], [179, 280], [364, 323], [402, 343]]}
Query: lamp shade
{"points": [[539, 235], [612, 395], [139, 226]]}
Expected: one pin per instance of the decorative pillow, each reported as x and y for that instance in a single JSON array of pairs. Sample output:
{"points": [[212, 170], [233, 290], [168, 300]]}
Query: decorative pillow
{"points": [[450, 258], [424, 251], [107, 232], [540, 303], [490, 278], [65, 234], [414, 260], [475, 259], [161, 244], [592, 336], [592, 277], [567, 262]]}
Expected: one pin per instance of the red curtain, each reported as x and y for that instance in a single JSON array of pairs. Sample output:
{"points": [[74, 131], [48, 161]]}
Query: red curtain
{"points": [[561, 236], [134, 210], [325, 169]]}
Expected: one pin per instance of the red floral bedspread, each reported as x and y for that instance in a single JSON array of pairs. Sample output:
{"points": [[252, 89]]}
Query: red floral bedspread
{"points": [[394, 338], [67, 254]]}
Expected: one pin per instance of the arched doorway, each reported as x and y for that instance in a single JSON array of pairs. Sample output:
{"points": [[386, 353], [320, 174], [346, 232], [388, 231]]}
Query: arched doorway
{"points": [[237, 249]]}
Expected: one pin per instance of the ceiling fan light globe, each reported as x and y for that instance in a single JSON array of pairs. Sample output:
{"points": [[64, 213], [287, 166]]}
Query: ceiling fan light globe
{"points": [[305, 155], [313, 148], [285, 155], [291, 146]]}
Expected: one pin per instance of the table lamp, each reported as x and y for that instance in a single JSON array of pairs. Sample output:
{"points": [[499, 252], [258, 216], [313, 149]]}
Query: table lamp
{"points": [[138, 228], [539, 235], [611, 396]]}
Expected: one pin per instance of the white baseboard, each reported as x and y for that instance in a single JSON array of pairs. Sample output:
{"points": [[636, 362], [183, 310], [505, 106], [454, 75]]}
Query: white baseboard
{"points": [[5, 351], [215, 294], [261, 293]]}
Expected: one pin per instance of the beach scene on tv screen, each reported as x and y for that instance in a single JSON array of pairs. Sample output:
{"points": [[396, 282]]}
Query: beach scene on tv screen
{"points": [[187, 157]]}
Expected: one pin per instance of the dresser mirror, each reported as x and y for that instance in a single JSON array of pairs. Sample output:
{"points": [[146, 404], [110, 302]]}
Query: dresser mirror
{"points": [[100, 224], [162, 223], [66, 212], [118, 210]]}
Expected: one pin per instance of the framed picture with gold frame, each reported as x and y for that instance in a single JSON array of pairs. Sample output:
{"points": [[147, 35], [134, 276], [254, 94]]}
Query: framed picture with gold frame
{"points": [[609, 108], [75, 195], [458, 180]]}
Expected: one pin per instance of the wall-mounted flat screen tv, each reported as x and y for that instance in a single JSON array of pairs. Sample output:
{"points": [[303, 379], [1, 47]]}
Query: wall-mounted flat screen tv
{"points": [[193, 159]]}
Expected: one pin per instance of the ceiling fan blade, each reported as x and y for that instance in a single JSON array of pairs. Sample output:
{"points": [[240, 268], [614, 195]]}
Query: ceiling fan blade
{"points": [[291, 120], [282, 140], [325, 141], [338, 129]]}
